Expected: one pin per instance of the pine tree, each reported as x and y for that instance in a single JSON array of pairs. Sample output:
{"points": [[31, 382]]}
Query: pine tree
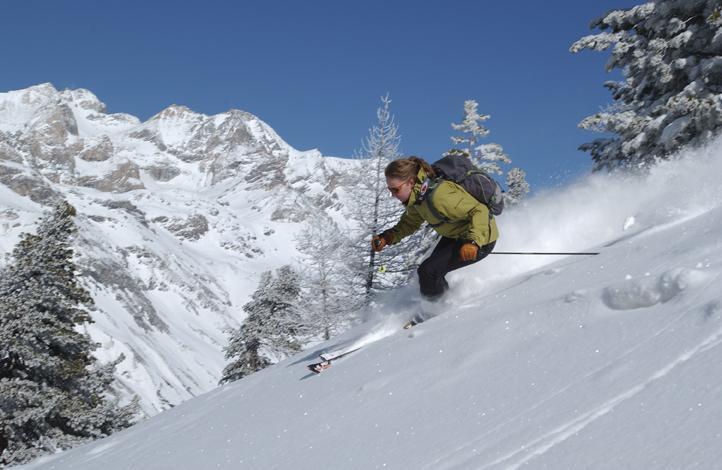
{"points": [[287, 323], [245, 343], [374, 210], [670, 55], [328, 294], [484, 156], [53, 394], [517, 186], [271, 330]]}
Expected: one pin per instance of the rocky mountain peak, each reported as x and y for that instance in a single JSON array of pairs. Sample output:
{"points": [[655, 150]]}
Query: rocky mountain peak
{"points": [[18, 107], [67, 136], [84, 99], [53, 123], [176, 112], [36, 95]]}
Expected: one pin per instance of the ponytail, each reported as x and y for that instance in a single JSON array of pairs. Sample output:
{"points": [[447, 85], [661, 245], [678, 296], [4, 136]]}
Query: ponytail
{"points": [[407, 168]]}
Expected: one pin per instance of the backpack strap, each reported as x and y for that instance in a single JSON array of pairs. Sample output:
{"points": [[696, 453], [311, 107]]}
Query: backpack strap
{"points": [[435, 212]]}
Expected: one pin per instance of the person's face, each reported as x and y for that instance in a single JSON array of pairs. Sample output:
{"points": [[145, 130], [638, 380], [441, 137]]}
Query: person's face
{"points": [[400, 189]]}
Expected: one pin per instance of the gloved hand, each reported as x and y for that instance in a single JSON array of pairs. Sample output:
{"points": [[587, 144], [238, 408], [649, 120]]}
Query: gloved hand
{"points": [[379, 242], [468, 251]]}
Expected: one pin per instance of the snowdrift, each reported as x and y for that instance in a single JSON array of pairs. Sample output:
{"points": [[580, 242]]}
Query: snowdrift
{"points": [[610, 361]]}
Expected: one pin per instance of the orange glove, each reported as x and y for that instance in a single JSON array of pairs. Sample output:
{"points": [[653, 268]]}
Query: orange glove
{"points": [[379, 242], [468, 251]]}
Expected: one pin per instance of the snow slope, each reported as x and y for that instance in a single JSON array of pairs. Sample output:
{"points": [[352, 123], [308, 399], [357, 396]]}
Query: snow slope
{"points": [[610, 361]]}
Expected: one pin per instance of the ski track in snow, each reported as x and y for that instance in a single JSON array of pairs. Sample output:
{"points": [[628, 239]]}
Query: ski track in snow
{"points": [[565, 431], [387, 327], [561, 433]]}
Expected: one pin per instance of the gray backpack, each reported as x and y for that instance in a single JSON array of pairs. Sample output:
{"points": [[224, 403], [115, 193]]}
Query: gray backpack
{"points": [[479, 184]]}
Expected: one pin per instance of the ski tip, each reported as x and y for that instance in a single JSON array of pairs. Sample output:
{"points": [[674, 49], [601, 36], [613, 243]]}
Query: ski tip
{"points": [[410, 324]]}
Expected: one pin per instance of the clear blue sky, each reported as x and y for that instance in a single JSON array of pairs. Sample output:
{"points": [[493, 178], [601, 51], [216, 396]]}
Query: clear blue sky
{"points": [[314, 70]]}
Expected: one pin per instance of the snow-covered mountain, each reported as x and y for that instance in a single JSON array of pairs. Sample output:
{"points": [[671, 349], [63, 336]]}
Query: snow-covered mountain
{"points": [[608, 361], [178, 217]]}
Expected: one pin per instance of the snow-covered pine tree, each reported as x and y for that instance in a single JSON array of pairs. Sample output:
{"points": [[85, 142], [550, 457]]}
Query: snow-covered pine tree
{"points": [[271, 330], [487, 157], [287, 323], [373, 210], [244, 346], [516, 186], [484, 156], [53, 394], [670, 55], [327, 283]]}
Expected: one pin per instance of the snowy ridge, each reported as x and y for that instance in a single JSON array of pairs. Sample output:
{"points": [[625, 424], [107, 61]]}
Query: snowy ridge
{"points": [[178, 217], [592, 362]]}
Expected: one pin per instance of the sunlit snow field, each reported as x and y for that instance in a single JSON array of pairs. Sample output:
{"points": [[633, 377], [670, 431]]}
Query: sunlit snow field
{"points": [[609, 361]]}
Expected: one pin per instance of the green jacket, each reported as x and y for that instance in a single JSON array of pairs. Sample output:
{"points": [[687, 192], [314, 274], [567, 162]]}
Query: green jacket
{"points": [[469, 219]]}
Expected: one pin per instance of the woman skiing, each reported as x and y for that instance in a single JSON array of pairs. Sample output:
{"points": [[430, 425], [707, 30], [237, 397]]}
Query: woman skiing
{"points": [[468, 230]]}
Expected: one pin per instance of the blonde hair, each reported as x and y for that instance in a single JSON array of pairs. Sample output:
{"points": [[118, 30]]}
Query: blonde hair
{"points": [[407, 168]]}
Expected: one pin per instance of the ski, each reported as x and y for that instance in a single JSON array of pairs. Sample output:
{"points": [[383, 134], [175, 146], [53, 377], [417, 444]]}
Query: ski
{"points": [[410, 324], [327, 358], [413, 322]]}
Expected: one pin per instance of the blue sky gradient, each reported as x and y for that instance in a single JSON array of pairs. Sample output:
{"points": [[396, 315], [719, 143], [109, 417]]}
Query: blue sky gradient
{"points": [[315, 70]]}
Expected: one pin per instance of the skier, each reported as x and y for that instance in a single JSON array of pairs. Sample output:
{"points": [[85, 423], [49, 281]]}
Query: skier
{"points": [[468, 230]]}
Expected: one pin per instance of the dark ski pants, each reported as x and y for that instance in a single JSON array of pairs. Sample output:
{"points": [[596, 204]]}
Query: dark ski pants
{"points": [[444, 259]]}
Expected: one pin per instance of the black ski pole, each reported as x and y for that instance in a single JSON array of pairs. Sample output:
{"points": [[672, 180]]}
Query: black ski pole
{"points": [[539, 253]]}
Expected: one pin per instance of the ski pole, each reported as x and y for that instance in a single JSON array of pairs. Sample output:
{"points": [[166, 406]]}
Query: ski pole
{"points": [[539, 253]]}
